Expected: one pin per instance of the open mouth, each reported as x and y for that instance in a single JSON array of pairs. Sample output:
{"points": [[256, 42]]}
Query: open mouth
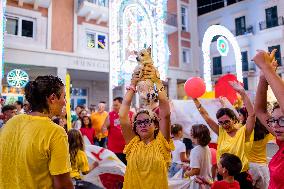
{"points": [[278, 133], [143, 130]]}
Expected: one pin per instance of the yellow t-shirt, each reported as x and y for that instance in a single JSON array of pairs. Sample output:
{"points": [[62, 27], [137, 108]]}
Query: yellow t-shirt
{"points": [[147, 164], [98, 120], [81, 165], [32, 149], [258, 152], [233, 145]]}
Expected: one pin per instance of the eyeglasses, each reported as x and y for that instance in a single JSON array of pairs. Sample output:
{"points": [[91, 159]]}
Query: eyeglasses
{"points": [[145, 122], [279, 121], [226, 122]]}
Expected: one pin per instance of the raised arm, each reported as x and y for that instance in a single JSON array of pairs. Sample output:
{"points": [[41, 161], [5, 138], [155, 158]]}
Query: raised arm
{"points": [[261, 102], [150, 72], [212, 124], [264, 61], [250, 123], [125, 123]]}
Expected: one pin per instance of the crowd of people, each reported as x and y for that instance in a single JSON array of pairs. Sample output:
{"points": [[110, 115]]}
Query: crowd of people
{"points": [[39, 151]]}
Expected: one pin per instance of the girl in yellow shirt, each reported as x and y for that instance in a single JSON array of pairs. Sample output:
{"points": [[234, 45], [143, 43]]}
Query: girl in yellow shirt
{"points": [[231, 137], [148, 149], [78, 157]]}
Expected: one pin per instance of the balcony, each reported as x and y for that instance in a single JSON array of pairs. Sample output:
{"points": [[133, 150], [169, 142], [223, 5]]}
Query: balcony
{"points": [[271, 23], [93, 9], [171, 23], [245, 31], [35, 3]]}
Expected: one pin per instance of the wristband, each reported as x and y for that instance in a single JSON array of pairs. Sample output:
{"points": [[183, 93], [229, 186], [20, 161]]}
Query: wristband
{"points": [[131, 87]]}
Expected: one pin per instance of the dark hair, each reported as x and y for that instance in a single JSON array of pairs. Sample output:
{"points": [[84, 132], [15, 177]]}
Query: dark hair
{"points": [[232, 163], [119, 99], [260, 130], [103, 102], [80, 106], [8, 107], [244, 112], [20, 103], [153, 117], [275, 106], [201, 133], [76, 143], [40, 89], [175, 128], [90, 122], [188, 144], [227, 111]]}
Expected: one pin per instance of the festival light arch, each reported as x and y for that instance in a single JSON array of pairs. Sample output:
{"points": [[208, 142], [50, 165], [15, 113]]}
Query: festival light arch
{"points": [[211, 32], [136, 24]]}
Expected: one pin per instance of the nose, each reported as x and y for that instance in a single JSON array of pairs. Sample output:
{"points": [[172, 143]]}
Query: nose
{"points": [[137, 58]]}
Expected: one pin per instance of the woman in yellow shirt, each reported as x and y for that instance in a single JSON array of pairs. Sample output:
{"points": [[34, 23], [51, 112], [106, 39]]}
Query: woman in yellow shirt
{"points": [[232, 137], [257, 157], [148, 149], [78, 158]]}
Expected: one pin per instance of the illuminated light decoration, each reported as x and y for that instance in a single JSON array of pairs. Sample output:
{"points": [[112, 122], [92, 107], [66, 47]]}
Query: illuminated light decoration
{"points": [[210, 33], [17, 78], [222, 46], [134, 25], [2, 28]]}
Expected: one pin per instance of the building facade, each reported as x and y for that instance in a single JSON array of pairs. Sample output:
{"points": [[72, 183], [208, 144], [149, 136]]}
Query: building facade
{"points": [[256, 24], [72, 36]]}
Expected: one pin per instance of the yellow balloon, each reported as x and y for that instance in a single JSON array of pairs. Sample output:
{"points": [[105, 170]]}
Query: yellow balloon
{"points": [[208, 95]]}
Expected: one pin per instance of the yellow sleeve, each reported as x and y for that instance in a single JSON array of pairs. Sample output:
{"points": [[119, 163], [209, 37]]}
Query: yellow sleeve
{"points": [[59, 153], [165, 147], [83, 161], [130, 145]]}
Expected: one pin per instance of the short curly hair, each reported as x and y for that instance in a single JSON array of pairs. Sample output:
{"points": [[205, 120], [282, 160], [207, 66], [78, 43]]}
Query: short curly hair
{"points": [[153, 117], [37, 91], [201, 133]]}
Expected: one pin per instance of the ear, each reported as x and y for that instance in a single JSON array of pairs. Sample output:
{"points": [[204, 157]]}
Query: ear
{"points": [[136, 53], [52, 98], [149, 49]]}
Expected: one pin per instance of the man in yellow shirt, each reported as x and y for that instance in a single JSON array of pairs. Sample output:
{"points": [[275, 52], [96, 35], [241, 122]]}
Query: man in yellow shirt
{"points": [[34, 150], [98, 118]]}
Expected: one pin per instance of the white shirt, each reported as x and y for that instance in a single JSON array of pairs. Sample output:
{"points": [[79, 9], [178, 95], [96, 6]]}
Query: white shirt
{"points": [[179, 148], [200, 157]]}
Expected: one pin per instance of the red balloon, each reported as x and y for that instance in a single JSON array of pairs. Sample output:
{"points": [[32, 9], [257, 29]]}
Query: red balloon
{"points": [[194, 87]]}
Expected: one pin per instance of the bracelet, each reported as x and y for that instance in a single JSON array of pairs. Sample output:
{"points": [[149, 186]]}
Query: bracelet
{"points": [[131, 87]]}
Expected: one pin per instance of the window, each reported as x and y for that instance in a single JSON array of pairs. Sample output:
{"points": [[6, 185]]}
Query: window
{"points": [[20, 26], [184, 17], [245, 61], [27, 28], [12, 26], [205, 6], [277, 54], [91, 40], [271, 17], [240, 25], [217, 65], [245, 80], [185, 56], [215, 38], [96, 40], [230, 2]]}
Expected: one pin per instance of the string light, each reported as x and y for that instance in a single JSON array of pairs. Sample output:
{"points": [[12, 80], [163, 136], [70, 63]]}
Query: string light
{"points": [[210, 33], [134, 24]]}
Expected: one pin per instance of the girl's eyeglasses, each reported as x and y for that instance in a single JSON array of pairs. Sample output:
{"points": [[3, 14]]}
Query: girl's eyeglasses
{"points": [[272, 120], [145, 122], [226, 122]]}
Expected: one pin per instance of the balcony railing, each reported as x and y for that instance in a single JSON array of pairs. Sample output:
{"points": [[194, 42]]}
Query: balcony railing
{"points": [[103, 3], [171, 19], [271, 23], [245, 31]]}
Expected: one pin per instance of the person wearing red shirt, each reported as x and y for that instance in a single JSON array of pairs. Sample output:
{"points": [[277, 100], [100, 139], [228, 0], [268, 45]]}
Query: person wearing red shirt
{"points": [[87, 129], [229, 166], [116, 142]]}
